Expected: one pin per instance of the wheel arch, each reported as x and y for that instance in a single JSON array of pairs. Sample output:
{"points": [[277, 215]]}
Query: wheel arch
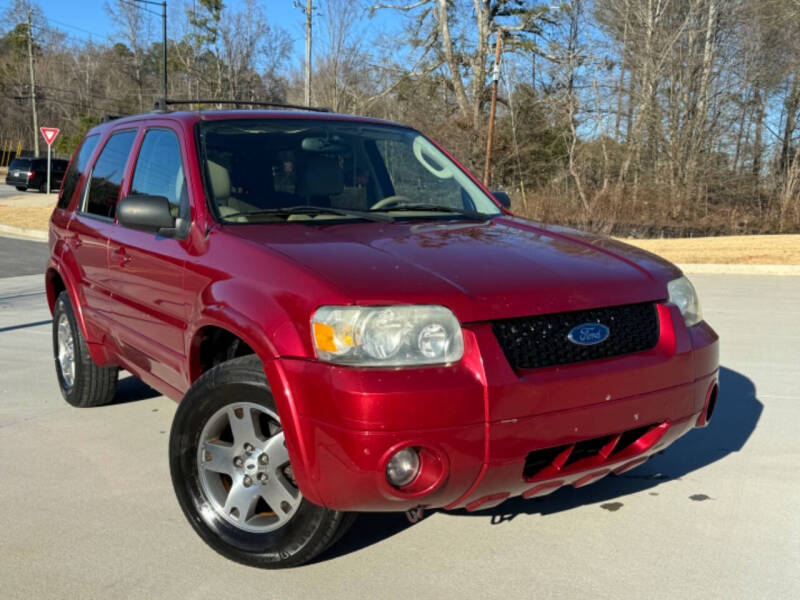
{"points": [[229, 321]]}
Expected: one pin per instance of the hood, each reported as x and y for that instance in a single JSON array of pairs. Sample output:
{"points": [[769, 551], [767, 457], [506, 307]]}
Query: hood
{"points": [[501, 268]]}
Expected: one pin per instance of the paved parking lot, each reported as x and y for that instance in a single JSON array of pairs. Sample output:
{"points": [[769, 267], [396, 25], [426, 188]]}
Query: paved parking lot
{"points": [[87, 509]]}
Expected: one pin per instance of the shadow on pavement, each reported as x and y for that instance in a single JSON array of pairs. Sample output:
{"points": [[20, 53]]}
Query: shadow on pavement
{"points": [[133, 389], [25, 325], [736, 417]]}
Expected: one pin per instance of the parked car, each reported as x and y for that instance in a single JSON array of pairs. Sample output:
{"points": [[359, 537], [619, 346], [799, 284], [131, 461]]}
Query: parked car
{"points": [[31, 173], [351, 322]]}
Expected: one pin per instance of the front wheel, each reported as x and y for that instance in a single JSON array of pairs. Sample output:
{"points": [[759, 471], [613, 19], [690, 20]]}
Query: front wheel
{"points": [[232, 475]]}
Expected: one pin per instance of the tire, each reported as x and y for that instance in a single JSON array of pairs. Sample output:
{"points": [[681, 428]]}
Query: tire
{"points": [[21, 188], [244, 506], [84, 384], [43, 187]]}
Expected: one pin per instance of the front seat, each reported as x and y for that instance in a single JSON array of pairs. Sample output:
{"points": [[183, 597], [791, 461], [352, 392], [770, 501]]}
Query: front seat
{"points": [[321, 178], [221, 188]]}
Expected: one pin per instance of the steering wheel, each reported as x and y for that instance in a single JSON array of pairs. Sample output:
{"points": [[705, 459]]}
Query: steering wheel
{"points": [[390, 201]]}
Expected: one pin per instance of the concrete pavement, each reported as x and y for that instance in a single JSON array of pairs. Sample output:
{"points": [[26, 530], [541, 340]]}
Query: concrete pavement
{"points": [[87, 508]]}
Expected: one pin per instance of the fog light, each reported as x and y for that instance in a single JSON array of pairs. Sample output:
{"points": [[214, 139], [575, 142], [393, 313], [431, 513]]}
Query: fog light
{"points": [[403, 467]]}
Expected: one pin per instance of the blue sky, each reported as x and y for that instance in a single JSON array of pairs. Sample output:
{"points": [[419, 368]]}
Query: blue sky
{"points": [[84, 19]]}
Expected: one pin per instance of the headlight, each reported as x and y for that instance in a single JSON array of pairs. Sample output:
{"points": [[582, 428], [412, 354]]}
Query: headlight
{"points": [[387, 336], [682, 294]]}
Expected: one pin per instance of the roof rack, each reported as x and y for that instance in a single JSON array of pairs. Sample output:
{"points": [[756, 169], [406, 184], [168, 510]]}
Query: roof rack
{"points": [[162, 104]]}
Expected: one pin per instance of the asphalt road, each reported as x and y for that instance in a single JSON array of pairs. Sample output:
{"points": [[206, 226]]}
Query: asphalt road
{"points": [[6, 191], [87, 508], [21, 257]]}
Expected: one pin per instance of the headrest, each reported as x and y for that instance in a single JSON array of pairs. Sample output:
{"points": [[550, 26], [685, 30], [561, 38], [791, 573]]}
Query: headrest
{"points": [[322, 176], [220, 180]]}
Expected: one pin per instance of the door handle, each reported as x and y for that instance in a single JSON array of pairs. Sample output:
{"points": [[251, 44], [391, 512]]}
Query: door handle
{"points": [[122, 257]]}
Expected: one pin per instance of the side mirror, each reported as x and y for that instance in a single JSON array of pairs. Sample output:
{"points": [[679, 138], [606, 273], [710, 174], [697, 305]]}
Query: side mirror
{"points": [[502, 198], [146, 213]]}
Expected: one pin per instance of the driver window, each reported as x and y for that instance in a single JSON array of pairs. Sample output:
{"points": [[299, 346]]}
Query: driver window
{"points": [[159, 170]]}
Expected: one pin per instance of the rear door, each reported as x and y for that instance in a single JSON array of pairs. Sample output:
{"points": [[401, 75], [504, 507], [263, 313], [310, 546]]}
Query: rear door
{"points": [[146, 270], [91, 225]]}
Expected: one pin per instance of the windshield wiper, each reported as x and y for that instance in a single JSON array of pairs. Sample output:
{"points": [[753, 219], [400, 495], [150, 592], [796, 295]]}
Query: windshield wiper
{"points": [[305, 209], [423, 206]]}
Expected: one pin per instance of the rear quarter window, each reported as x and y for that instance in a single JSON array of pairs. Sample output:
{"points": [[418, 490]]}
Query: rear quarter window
{"points": [[77, 169]]}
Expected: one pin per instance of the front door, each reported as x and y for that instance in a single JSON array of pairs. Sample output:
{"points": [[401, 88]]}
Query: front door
{"points": [[146, 270]]}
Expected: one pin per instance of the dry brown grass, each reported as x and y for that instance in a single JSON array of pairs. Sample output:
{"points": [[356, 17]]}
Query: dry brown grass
{"points": [[739, 249], [29, 217], [744, 249]]}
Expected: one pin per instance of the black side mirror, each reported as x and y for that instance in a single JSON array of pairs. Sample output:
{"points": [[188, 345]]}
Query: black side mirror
{"points": [[146, 213], [502, 198]]}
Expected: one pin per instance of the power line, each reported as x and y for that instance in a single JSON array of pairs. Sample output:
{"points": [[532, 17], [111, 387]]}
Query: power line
{"points": [[140, 7]]}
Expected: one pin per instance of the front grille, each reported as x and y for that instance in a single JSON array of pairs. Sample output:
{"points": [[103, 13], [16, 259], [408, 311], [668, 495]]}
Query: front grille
{"points": [[541, 341]]}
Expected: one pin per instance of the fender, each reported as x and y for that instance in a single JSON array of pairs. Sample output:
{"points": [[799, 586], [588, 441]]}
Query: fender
{"points": [[57, 265], [259, 337]]}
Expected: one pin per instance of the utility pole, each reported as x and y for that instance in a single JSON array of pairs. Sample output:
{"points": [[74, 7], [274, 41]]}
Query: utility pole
{"points": [[33, 87], [308, 52], [495, 82], [163, 6], [164, 40]]}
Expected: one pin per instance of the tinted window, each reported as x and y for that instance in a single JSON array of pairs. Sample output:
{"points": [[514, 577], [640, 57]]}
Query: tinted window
{"points": [[77, 169], [107, 174], [159, 169], [20, 163]]}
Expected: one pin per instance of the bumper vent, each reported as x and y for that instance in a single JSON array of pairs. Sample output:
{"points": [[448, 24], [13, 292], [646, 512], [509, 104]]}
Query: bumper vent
{"points": [[590, 453], [541, 341]]}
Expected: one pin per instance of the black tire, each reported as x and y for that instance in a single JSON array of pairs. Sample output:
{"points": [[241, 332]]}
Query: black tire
{"points": [[306, 533], [43, 187], [21, 188], [91, 385]]}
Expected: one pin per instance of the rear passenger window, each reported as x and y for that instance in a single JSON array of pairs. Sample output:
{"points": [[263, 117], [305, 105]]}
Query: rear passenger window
{"points": [[159, 169], [76, 169], [107, 174]]}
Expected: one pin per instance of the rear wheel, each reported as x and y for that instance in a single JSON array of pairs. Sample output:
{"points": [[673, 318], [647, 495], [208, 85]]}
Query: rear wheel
{"points": [[82, 382], [232, 475], [21, 188]]}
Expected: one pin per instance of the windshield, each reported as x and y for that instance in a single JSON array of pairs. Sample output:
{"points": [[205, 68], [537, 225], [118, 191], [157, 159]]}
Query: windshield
{"points": [[266, 170]]}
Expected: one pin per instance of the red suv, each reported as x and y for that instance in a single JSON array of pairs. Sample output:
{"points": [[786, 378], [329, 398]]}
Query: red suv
{"points": [[352, 322]]}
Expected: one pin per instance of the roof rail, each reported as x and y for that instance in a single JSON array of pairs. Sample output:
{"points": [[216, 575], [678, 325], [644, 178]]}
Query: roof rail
{"points": [[107, 118], [162, 104]]}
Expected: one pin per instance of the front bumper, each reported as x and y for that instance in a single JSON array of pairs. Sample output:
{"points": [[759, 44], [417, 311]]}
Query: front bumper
{"points": [[489, 432]]}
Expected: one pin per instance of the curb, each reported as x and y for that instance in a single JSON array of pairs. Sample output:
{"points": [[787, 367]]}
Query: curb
{"points": [[733, 269], [36, 235]]}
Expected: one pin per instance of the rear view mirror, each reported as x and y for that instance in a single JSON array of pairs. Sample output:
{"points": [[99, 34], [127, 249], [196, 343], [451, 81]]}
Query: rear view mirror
{"points": [[146, 213], [502, 198]]}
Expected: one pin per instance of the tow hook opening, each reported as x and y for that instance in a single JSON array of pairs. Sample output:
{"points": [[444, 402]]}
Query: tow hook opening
{"points": [[708, 411], [712, 403]]}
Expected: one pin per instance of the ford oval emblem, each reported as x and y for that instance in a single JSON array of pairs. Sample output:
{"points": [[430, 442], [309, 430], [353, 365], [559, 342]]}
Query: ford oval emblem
{"points": [[588, 334]]}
